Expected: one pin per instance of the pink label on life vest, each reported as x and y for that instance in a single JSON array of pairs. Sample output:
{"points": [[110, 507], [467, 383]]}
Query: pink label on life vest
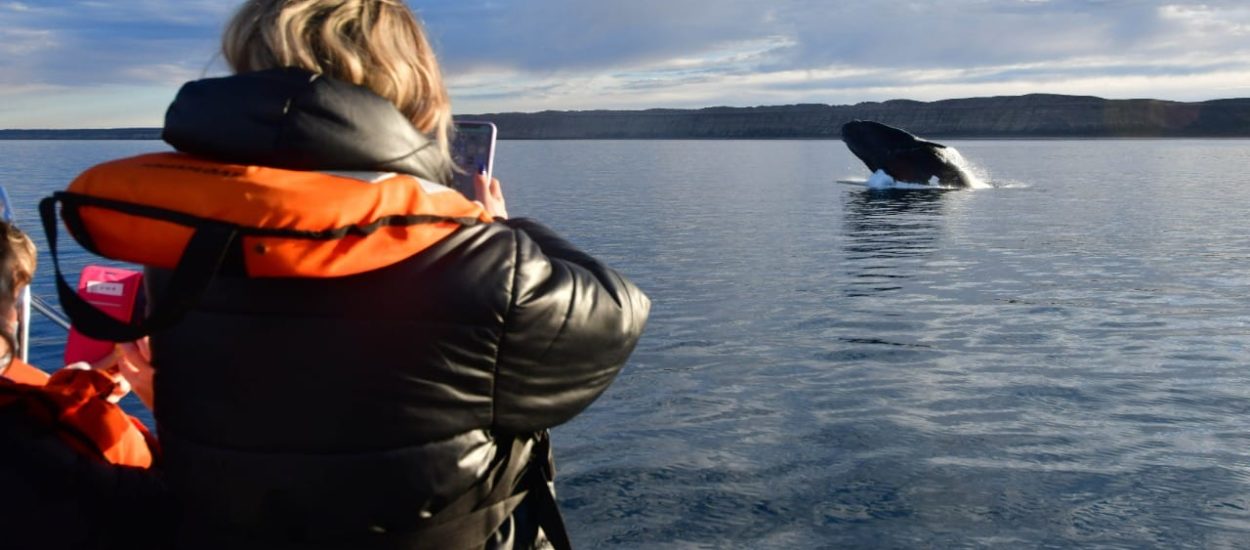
{"points": [[114, 291]]}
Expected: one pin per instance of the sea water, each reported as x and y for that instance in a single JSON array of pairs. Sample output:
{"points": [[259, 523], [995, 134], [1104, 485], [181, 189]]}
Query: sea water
{"points": [[1060, 360]]}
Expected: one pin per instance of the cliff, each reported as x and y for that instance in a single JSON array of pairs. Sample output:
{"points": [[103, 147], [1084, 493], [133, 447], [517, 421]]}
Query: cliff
{"points": [[93, 133], [1035, 115]]}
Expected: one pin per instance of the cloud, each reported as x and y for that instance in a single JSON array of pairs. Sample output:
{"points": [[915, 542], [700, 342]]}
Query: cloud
{"points": [[193, 13], [90, 43], [560, 54], [162, 73], [909, 48], [18, 42], [108, 106], [551, 35], [12, 90]]}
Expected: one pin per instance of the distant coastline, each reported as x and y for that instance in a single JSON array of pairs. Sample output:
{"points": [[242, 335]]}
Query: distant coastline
{"points": [[1027, 116], [83, 134]]}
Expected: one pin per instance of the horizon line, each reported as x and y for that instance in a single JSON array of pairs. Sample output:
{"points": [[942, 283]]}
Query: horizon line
{"points": [[832, 105]]}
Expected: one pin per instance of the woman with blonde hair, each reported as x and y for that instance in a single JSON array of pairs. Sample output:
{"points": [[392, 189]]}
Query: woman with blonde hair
{"points": [[378, 358]]}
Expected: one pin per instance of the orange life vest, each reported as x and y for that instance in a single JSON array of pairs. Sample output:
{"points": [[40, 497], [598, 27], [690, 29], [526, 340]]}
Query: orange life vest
{"points": [[22, 373], [73, 402], [176, 211], [292, 223]]}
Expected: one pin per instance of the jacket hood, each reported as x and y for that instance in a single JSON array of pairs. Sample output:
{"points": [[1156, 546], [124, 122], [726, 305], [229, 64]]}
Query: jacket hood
{"points": [[295, 119]]}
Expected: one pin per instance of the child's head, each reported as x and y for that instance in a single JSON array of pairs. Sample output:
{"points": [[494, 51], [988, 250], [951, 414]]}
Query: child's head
{"points": [[17, 257], [17, 269]]}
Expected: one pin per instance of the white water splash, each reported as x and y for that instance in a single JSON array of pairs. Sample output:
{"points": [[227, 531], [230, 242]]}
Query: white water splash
{"points": [[976, 176], [882, 180]]}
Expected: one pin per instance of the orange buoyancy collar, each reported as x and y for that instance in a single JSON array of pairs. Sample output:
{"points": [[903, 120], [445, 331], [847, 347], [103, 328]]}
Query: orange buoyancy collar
{"points": [[195, 216], [291, 223], [73, 402]]}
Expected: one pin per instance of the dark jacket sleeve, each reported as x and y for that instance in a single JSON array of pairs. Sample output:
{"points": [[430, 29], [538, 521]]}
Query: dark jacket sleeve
{"points": [[570, 328]]}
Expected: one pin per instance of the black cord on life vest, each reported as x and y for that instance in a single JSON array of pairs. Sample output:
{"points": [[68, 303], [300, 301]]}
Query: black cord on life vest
{"points": [[200, 262], [539, 477]]}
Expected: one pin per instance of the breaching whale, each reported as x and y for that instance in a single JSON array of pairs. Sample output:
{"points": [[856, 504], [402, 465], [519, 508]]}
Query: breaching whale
{"points": [[905, 157]]}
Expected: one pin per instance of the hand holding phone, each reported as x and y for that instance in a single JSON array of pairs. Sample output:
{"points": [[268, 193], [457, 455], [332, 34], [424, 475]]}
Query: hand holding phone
{"points": [[489, 194], [473, 151]]}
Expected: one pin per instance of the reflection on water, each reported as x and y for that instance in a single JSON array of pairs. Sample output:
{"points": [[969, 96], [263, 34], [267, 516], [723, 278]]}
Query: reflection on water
{"points": [[887, 231], [1060, 364], [1057, 364]]}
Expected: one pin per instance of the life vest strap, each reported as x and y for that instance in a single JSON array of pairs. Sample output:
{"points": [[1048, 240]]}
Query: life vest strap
{"points": [[460, 524], [76, 200], [199, 264], [214, 246], [540, 477]]}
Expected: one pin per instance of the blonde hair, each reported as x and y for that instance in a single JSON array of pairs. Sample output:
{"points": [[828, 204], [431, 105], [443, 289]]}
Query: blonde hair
{"points": [[378, 44], [18, 243], [17, 268]]}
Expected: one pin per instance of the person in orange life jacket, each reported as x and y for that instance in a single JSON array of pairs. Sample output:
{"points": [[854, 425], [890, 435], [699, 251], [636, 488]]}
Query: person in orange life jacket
{"points": [[406, 405], [80, 384], [74, 465]]}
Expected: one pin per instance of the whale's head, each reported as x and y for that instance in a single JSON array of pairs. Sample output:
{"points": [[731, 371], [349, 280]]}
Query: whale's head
{"points": [[901, 155]]}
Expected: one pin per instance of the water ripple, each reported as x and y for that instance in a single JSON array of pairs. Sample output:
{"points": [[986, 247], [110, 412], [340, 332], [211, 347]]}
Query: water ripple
{"points": [[1053, 364]]}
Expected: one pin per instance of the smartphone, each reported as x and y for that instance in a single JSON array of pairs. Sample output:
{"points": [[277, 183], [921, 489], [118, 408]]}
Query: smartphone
{"points": [[114, 291], [473, 151]]}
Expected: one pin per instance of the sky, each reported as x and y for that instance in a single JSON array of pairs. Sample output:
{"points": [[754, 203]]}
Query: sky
{"points": [[118, 63]]}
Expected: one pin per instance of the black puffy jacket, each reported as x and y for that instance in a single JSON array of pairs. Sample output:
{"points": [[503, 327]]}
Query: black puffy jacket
{"points": [[376, 410]]}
